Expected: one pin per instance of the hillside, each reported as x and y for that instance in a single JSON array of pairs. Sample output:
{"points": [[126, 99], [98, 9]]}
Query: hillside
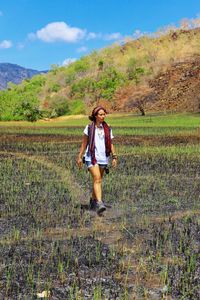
{"points": [[157, 73], [176, 89], [14, 73]]}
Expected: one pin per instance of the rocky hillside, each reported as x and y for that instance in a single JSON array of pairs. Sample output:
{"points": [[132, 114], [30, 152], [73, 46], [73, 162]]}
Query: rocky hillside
{"points": [[177, 89], [14, 73]]}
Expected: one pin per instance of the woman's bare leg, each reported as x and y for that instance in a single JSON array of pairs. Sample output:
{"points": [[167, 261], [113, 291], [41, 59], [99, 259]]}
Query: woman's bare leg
{"points": [[93, 192], [97, 175], [101, 171]]}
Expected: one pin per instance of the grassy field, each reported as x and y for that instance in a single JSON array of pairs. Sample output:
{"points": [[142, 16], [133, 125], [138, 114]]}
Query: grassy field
{"points": [[122, 120], [124, 124], [146, 246]]}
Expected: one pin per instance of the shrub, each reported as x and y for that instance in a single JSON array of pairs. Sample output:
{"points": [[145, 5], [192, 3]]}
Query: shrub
{"points": [[77, 107], [134, 72], [34, 84], [27, 111], [55, 87], [58, 106], [109, 81], [54, 69], [84, 85], [69, 78], [81, 65], [100, 65]]}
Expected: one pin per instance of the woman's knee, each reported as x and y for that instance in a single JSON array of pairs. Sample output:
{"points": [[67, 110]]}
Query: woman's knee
{"points": [[97, 180]]}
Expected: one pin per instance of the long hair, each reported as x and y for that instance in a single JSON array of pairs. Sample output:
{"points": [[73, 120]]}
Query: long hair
{"points": [[95, 111]]}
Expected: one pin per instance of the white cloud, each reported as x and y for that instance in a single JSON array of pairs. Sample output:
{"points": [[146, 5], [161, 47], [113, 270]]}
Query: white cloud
{"points": [[6, 44], [58, 31], [106, 37], [82, 49], [68, 61], [112, 36], [93, 35]]}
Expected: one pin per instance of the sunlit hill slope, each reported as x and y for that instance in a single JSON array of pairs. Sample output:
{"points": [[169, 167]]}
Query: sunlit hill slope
{"points": [[157, 73]]}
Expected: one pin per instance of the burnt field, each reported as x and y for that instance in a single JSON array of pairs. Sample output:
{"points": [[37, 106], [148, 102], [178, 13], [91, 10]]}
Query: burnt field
{"points": [[146, 246]]}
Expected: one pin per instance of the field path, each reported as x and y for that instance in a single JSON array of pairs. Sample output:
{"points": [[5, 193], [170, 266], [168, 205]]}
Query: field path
{"points": [[106, 228], [64, 174]]}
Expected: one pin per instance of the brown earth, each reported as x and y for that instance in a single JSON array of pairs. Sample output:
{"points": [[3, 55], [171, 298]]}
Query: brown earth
{"points": [[175, 89], [148, 140]]}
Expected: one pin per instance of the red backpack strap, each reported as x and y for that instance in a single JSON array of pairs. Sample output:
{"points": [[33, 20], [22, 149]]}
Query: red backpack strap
{"points": [[89, 129]]}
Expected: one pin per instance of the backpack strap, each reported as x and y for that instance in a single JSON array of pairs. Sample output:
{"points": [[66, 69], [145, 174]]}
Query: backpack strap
{"points": [[89, 130], [89, 126]]}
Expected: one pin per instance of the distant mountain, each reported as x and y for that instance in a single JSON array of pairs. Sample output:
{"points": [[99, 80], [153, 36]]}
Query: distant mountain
{"points": [[15, 74]]}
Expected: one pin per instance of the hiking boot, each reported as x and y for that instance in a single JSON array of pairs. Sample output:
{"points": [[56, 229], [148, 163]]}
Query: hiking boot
{"points": [[100, 207], [93, 204]]}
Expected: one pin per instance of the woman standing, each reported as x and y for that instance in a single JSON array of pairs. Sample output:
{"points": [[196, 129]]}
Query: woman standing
{"points": [[97, 147]]}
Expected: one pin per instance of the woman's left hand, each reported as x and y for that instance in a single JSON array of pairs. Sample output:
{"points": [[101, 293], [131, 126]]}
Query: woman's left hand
{"points": [[114, 162], [79, 162]]}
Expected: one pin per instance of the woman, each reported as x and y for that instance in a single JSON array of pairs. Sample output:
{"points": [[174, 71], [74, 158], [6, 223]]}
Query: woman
{"points": [[97, 147]]}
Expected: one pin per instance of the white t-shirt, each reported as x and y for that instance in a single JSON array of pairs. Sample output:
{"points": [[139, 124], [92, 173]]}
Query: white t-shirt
{"points": [[100, 149]]}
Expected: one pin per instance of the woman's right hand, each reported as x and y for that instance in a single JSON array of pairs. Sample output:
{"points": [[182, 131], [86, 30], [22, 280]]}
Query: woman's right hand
{"points": [[114, 163], [79, 162]]}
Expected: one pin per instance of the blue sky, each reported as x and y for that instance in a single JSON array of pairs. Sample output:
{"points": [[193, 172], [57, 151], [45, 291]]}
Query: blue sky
{"points": [[39, 33]]}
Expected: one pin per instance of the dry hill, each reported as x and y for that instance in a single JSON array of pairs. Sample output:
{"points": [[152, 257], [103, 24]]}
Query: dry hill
{"points": [[175, 89], [153, 73]]}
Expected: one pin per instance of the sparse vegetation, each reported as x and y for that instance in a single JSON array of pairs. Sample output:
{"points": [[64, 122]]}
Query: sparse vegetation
{"points": [[113, 75], [146, 245]]}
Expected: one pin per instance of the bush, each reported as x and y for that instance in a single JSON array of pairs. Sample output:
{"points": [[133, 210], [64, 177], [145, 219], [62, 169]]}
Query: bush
{"points": [[134, 72], [109, 81], [7, 116], [55, 87], [54, 69], [81, 65], [27, 111], [77, 107], [34, 84], [100, 65], [84, 85], [69, 78], [58, 106]]}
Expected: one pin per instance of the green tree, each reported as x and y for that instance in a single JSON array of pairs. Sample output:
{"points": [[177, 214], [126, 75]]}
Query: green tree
{"points": [[100, 65], [28, 111], [58, 106], [133, 71], [109, 80]]}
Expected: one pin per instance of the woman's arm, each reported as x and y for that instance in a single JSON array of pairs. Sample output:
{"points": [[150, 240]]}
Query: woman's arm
{"points": [[82, 150], [114, 156]]}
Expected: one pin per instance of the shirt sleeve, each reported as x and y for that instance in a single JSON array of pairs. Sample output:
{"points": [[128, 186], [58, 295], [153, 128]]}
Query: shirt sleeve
{"points": [[86, 130]]}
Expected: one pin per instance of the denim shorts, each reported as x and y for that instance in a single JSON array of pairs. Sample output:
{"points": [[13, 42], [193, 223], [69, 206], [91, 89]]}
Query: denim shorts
{"points": [[89, 164]]}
